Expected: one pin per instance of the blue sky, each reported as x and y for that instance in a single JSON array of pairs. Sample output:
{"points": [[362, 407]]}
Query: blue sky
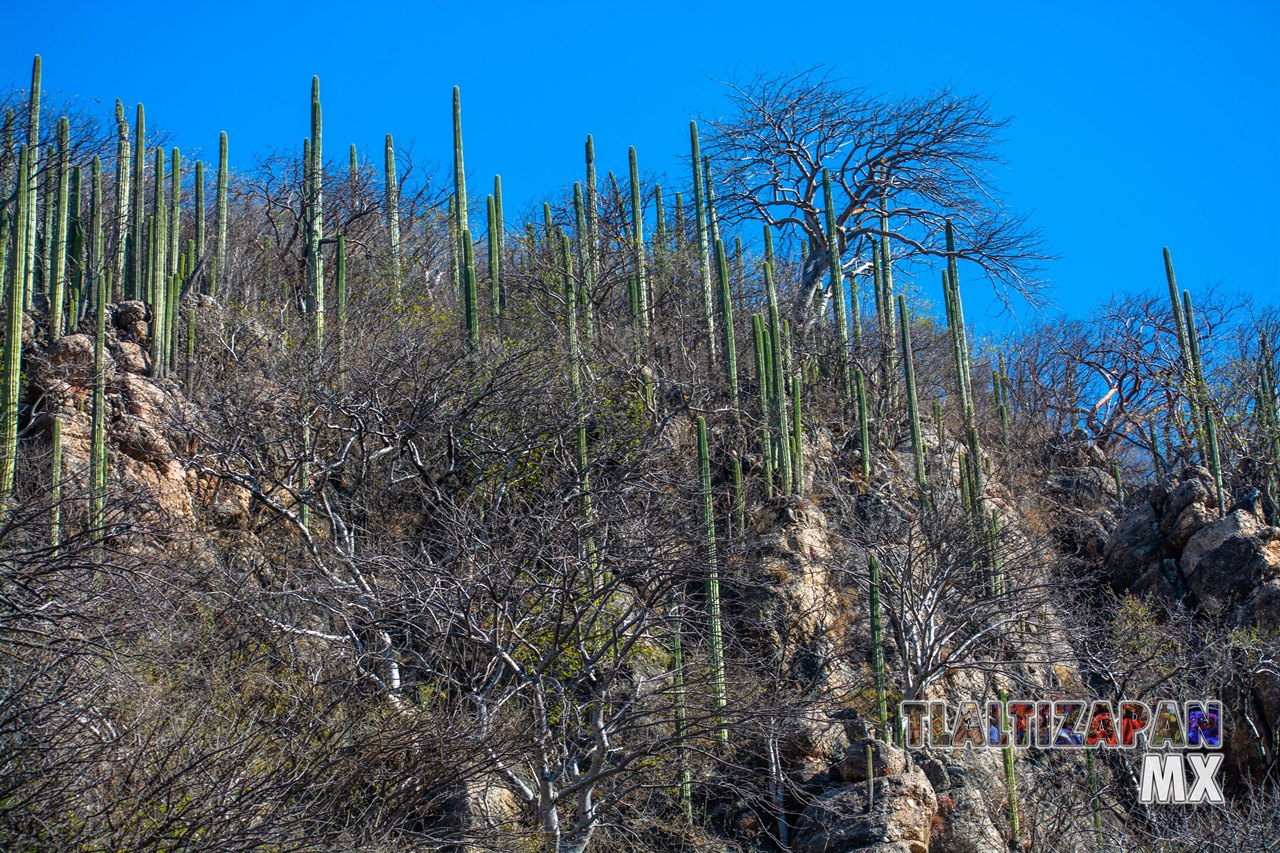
{"points": [[1135, 125]]}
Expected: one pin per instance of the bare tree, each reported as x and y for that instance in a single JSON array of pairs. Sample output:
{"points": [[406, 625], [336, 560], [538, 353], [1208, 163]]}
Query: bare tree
{"points": [[899, 169]]}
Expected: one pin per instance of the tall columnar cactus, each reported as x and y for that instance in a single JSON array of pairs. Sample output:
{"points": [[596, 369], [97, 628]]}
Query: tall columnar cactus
{"points": [[1010, 780], [685, 792], [220, 216], [175, 210], [1184, 343], [392, 215], [864, 432], [837, 285], [55, 481], [885, 252], [960, 348], [13, 335], [1200, 392], [713, 587], [315, 223], [913, 406], [120, 258], [33, 167], [340, 294], [470, 300], [739, 517], [501, 241], [661, 267], [1267, 419], [138, 222], [708, 191], [1095, 804], [764, 383], [778, 401], [97, 431], [495, 283], [877, 645], [197, 257], [726, 318], [637, 244], [584, 262], [57, 281], [1000, 380], [80, 299], [592, 250], [459, 181], [158, 290], [8, 134], [704, 247], [797, 439], [579, 398]]}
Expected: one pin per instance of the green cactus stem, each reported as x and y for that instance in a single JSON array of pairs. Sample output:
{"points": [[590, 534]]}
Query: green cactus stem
{"points": [[584, 262], [637, 244], [392, 215], [459, 180], [726, 319], [837, 286], [136, 288], [797, 439], [491, 234], [713, 588], [220, 218], [913, 407], [175, 210], [1095, 802], [97, 431], [315, 222], [55, 483], [739, 497], [197, 257], [13, 335], [340, 288], [57, 281], [778, 385], [470, 300], [121, 230], [592, 223], [763, 358], [1010, 780], [704, 247], [1209, 454], [685, 788], [877, 647], [864, 433], [28, 268]]}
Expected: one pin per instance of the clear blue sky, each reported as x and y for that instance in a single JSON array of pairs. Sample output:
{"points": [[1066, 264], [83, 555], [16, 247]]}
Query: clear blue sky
{"points": [[1135, 125]]}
